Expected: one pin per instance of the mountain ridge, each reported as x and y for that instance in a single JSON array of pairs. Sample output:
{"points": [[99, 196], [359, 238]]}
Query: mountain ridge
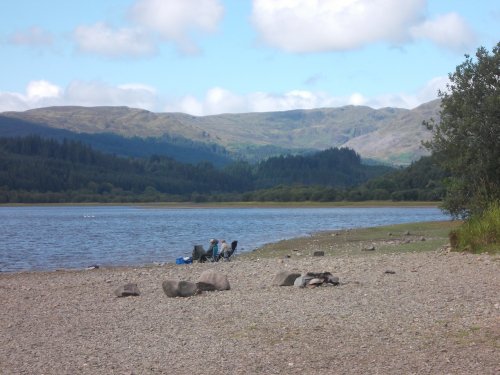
{"points": [[391, 135]]}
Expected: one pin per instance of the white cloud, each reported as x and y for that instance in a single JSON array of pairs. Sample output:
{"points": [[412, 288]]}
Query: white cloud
{"points": [[357, 99], [42, 94], [176, 20], [102, 94], [216, 100], [152, 22], [219, 100], [424, 94], [34, 36], [449, 31], [39, 90], [104, 40], [263, 102], [38, 94], [302, 26], [323, 25], [11, 101]]}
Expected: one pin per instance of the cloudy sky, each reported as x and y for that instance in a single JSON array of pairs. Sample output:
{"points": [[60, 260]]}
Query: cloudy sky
{"points": [[216, 56]]}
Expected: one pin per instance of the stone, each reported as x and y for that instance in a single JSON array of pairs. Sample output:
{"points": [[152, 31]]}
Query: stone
{"points": [[325, 277], [390, 272], [299, 282], [334, 280], [319, 253], [179, 288], [369, 248], [210, 280], [127, 290], [285, 278], [315, 281]]}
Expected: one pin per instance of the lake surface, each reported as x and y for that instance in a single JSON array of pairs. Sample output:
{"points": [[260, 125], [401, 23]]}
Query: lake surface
{"points": [[49, 238]]}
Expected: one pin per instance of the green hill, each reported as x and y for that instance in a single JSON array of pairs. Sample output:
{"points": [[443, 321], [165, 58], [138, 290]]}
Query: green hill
{"points": [[389, 135]]}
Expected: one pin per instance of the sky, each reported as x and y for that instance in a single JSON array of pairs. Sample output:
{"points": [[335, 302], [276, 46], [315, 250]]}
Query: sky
{"points": [[206, 57]]}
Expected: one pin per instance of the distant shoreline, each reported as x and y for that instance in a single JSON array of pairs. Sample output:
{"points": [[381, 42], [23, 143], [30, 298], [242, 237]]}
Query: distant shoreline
{"points": [[181, 205]]}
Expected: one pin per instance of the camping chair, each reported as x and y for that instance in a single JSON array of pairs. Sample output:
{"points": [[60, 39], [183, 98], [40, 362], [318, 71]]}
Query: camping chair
{"points": [[199, 254], [203, 256], [234, 244]]}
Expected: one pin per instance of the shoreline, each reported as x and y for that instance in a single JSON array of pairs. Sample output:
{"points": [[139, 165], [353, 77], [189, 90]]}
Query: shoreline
{"points": [[408, 306], [274, 249], [187, 205]]}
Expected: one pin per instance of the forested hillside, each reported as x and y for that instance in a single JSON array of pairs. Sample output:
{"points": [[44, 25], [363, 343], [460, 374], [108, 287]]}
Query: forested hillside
{"points": [[332, 167], [176, 147], [34, 169]]}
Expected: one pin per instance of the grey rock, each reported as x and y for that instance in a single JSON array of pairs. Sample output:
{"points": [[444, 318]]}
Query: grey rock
{"points": [[325, 277], [299, 282], [369, 248], [179, 288], [127, 290], [319, 254], [333, 280], [211, 280], [285, 278]]}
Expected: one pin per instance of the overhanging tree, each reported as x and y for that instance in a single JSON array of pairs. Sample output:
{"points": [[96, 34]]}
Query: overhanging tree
{"points": [[466, 140]]}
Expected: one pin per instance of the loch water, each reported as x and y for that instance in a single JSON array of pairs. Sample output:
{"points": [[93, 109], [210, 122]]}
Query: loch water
{"points": [[72, 237]]}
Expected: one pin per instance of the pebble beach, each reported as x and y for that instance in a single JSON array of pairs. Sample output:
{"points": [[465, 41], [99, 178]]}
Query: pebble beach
{"points": [[431, 312]]}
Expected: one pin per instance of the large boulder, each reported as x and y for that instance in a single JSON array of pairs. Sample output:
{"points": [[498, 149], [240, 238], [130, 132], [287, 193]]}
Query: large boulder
{"points": [[210, 280], [178, 288], [285, 278], [127, 290]]}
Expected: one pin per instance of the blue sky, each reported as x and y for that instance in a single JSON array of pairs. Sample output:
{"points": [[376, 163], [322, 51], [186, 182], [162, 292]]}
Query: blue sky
{"points": [[217, 56]]}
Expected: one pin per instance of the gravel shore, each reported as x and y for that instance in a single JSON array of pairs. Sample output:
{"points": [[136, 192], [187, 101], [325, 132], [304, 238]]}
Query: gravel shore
{"points": [[435, 312]]}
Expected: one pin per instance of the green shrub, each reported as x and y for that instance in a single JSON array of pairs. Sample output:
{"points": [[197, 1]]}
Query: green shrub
{"points": [[480, 233]]}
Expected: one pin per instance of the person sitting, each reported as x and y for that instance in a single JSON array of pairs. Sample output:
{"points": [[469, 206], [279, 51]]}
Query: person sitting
{"points": [[213, 250], [225, 250]]}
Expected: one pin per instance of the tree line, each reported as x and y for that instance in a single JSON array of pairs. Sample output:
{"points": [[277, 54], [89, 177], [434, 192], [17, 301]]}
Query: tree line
{"points": [[34, 169]]}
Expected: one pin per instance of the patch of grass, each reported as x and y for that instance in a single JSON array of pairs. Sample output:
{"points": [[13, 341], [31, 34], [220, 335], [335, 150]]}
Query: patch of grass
{"points": [[411, 237], [479, 234]]}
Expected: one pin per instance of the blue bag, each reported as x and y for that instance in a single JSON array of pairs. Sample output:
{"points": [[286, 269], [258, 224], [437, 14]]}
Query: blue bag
{"points": [[184, 260]]}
